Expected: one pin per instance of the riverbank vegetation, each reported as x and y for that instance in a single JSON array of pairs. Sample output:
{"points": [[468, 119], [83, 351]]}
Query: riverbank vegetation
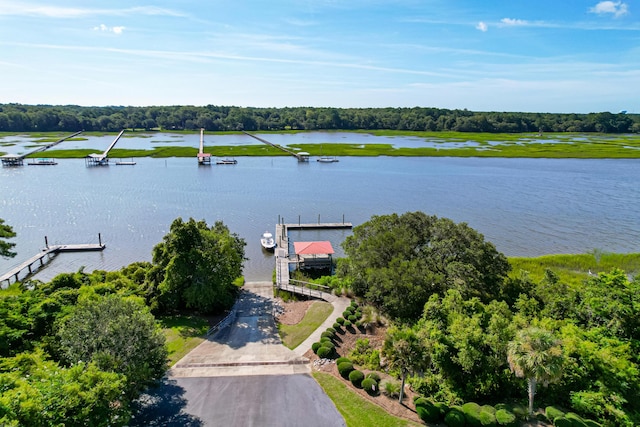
{"points": [[461, 319], [79, 349], [71, 118]]}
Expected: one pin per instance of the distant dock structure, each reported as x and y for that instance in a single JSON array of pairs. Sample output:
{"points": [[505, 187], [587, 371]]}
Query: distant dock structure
{"points": [[203, 158], [43, 257], [9, 160], [97, 159], [302, 156]]}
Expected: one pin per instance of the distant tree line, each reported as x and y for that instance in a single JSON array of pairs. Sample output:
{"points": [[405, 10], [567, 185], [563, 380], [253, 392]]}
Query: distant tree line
{"points": [[69, 118]]}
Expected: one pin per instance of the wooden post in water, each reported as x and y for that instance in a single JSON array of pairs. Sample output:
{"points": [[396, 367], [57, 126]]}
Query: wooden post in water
{"points": [[99, 239], [318, 218], [46, 242]]}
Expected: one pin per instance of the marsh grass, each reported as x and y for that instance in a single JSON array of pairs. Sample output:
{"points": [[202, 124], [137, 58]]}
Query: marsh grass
{"points": [[356, 410], [183, 334], [573, 269], [293, 335]]}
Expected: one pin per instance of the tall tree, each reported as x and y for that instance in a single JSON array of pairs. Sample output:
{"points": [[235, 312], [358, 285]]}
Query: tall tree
{"points": [[119, 335], [197, 265], [535, 354], [404, 351], [398, 261], [6, 232]]}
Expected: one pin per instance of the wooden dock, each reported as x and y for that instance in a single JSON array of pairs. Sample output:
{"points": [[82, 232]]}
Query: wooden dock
{"points": [[302, 156], [43, 257], [283, 280]]}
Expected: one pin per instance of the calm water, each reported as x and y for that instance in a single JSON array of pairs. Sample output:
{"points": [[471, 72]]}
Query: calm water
{"points": [[526, 207]]}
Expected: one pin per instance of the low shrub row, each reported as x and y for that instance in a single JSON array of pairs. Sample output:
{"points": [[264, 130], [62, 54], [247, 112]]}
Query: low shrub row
{"points": [[470, 414], [560, 418]]}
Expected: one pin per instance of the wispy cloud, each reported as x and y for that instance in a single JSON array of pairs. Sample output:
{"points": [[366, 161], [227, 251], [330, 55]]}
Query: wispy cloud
{"points": [[35, 9], [615, 8], [514, 22], [482, 26], [105, 29]]}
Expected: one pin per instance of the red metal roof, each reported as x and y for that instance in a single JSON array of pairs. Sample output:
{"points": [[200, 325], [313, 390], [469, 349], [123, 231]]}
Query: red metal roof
{"points": [[312, 248]]}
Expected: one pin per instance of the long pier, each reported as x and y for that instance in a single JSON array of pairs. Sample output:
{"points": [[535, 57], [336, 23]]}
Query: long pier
{"points": [[301, 156], [18, 160], [43, 257], [96, 159], [283, 281]]}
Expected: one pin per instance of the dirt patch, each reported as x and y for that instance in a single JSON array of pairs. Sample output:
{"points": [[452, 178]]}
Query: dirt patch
{"points": [[291, 313]]}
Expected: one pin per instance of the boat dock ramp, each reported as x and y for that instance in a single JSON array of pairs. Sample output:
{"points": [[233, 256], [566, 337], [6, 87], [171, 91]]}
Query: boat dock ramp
{"points": [[302, 156], [43, 257], [18, 159]]}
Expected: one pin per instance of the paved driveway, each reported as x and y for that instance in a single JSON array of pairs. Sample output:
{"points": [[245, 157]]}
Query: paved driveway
{"points": [[242, 376]]}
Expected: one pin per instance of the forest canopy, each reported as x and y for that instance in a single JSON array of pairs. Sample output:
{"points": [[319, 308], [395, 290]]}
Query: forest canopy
{"points": [[71, 118]]}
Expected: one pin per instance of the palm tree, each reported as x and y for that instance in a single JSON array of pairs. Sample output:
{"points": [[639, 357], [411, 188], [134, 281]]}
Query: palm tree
{"points": [[404, 351], [535, 354]]}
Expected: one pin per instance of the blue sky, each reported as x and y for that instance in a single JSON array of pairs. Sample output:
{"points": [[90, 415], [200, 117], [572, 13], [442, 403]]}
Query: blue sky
{"points": [[483, 55]]}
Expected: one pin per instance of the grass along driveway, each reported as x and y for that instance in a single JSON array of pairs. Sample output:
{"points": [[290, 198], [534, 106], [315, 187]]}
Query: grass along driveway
{"points": [[293, 335]]}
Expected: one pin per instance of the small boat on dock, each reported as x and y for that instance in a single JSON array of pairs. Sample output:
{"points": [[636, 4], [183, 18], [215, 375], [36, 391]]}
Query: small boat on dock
{"points": [[43, 162], [267, 241]]}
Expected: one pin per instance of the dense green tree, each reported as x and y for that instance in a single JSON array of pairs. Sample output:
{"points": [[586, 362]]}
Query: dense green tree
{"points": [[196, 265], [536, 355], [117, 334], [398, 261], [6, 232], [38, 392]]}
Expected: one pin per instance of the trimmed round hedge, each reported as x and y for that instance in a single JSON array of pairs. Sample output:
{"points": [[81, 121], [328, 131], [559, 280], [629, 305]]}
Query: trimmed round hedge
{"points": [[506, 418], [472, 414], [356, 377], [427, 411], [337, 326], [332, 330], [347, 323], [327, 334], [315, 346], [455, 417], [370, 385], [487, 419], [345, 368], [325, 352], [340, 320], [374, 375], [551, 412], [339, 360]]}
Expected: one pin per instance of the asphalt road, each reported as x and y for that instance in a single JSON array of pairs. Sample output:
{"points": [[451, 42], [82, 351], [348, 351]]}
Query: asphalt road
{"points": [[241, 377]]}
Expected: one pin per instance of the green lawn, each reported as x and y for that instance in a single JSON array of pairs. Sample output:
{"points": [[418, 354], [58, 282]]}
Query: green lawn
{"points": [[183, 334], [293, 335], [357, 411]]}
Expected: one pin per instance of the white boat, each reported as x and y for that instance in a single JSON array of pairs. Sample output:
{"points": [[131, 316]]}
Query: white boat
{"points": [[267, 241], [325, 159], [226, 162]]}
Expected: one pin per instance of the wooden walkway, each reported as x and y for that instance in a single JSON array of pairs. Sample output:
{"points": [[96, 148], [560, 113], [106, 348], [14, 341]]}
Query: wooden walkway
{"points": [[301, 156], [283, 280], [44, 257], [18, 160]]}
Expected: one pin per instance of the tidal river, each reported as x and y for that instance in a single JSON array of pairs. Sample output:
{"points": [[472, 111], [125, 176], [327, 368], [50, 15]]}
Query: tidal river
{"points": [[526, 207]]}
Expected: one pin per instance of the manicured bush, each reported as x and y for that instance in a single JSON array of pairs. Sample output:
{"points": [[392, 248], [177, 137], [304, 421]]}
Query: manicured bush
{"points": [[562, 422], [552, 413], [347, 313], [345, 368], [324, 352], [576, 420], [506, 418], [353, 304], [370, 385], [337, 326], [347, 324], [455, 417], [487, 419], [443, 408], [353, 318], [315, 346], [340, 320], [472, 414], [356, 378], [427, 411], [328, 345], [339, 360], [488, 408], [327, 334], [420, 401], [374, 375]]}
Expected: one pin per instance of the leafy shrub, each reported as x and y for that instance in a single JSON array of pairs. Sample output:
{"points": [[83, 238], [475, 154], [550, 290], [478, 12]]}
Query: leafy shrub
{"points": [[339, 360], [315, 346], [353, 318], [345, 368], [326, 339], [455, 417], [356, 378], [347, 323], [324, 352], [443, 408], [374, 375], [370, 385], [552, 413], [591, 423], [329, 345], [576, 420], [390, 388], [506, 418], [337, 326], [332, 330], [353, 304], [488, 408], [347, 313], [327, 334], [340, 320]]}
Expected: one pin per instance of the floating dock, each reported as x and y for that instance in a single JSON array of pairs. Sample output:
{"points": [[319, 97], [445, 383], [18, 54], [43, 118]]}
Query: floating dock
{"points": [[97, 159], [18, 160], [43, 257]]}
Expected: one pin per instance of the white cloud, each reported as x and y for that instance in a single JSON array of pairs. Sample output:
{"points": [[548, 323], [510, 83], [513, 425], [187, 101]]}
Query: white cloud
{"points": [[104, 28], [513, 22], [482, 26], [36, 9], [616, 8]]}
